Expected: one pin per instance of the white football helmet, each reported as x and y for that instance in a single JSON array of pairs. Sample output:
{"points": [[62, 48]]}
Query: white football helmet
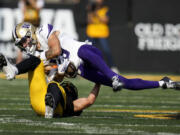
{"points": [[21, 32]]}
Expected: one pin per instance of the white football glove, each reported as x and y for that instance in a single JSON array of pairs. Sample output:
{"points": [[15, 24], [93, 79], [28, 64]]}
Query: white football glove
{"points": [[42, 56], [62, 67], [10, 71]]}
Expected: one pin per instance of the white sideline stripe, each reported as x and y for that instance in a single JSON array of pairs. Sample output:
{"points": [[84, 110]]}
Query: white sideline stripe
{"points": [[63, 123], [83, 128], [94, 130], [56, 132], [75, 125], [120, 132]]}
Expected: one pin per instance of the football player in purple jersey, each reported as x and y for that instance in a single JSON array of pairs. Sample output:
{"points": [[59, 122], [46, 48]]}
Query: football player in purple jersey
{"points": [[75, 57]]}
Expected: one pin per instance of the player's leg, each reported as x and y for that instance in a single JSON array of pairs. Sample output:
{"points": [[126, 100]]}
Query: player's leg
{"points": [[38, 89], [93, 75], [92, 56], [36, 77], [55, 100]]}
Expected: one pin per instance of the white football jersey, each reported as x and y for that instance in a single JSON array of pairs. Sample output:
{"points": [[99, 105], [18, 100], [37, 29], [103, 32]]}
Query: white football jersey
{"points": [[68, 45]]}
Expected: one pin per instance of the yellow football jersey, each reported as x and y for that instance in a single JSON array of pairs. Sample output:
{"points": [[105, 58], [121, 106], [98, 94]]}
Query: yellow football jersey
{"points": [[98, 29], [38, 90], [32, 15]]}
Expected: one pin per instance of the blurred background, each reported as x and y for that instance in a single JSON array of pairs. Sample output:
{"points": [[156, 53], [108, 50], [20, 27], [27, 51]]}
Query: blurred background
{"points": [[143, 35]]}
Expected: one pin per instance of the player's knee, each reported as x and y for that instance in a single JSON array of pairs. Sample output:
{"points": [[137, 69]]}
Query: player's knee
{"points": [[52, 88], [82, 52]]}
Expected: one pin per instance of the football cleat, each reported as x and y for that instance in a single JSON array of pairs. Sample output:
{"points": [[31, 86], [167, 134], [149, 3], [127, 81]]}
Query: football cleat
{"points": [[174, 85], [116, 84], [166, 80], [169, 84], [2, 61], [49, 106], [9, 69]]}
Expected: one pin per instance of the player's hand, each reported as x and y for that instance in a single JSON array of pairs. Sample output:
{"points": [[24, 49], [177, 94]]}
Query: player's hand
{"points": [[9, 72], [10, 76], [62, 67], [42, 56]]}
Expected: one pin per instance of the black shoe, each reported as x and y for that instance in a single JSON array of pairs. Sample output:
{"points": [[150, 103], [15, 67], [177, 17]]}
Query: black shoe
{"points": [[3, 61], [116, 84], [169, 84], [49, 106], [166, 80], [176, 85]]}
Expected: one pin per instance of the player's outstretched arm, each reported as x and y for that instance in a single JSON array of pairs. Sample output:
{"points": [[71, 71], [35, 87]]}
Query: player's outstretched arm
{"points": [[83, 103]]}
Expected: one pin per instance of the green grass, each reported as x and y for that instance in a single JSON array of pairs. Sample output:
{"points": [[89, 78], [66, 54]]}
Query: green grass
{"points": [[112, 113]]}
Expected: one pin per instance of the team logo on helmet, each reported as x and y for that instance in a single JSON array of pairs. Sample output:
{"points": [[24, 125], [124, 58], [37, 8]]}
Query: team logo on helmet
{"points": [[21, 32]]}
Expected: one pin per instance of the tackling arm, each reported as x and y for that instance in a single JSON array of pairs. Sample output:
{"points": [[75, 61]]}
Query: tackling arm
{"points": [[82, 103], [54, 46]]}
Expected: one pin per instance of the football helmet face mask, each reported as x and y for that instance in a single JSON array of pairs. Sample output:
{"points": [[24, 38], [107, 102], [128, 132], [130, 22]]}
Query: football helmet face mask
{"points": [[22, 33]]}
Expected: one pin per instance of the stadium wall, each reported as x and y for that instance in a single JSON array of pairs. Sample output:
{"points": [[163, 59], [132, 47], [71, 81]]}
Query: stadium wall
{"points": [[145, 34]]}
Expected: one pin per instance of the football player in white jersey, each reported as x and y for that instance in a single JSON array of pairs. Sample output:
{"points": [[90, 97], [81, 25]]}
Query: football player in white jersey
{"points": [[87, 59]]}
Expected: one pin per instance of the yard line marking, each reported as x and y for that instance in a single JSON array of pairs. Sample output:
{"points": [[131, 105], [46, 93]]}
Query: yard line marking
{"points": [[159, 116], [134, 111], [63, 123], [134, 106]]}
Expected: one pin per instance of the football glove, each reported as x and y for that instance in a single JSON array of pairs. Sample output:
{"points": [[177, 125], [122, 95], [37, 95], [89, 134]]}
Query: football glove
{"points": [[9, 69], [62, 67]]}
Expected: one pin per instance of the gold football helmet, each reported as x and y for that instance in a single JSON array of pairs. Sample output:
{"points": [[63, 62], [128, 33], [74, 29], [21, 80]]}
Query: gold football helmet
{"points": [[21, 32]]}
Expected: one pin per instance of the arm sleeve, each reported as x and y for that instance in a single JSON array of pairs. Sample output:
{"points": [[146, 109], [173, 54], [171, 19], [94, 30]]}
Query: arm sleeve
{"points": [[28, 64], [44, 31]]}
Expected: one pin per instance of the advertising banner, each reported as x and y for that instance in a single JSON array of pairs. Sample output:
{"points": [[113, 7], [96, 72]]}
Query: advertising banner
{"points": [[144, 34]]}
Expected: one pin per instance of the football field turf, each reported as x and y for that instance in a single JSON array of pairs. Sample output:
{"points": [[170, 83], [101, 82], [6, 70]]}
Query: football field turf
{"points": [[148, 112]]}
